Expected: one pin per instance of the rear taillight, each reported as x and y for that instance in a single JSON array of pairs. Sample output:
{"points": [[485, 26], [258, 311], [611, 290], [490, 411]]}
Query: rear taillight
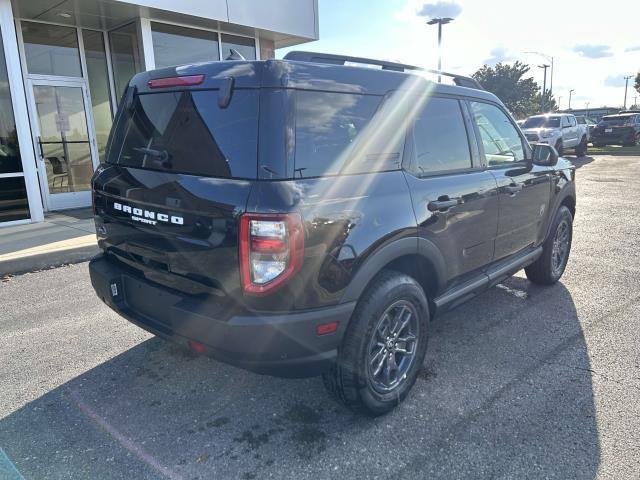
{"points": [[169, 82], [271, 250]]}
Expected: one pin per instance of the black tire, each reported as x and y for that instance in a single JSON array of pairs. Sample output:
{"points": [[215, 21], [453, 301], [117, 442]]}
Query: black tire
{"points": [[559, 147], [352, 380], [581, 149], [548, 269], [635, 142]]}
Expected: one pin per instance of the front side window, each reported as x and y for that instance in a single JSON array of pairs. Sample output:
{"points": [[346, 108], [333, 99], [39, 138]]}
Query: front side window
{"points": [[500, 139], [440, 138], [344, 133]]}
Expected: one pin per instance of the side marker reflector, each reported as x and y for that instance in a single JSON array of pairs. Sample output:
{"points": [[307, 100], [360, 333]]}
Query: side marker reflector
{"points": [[326, 328]]}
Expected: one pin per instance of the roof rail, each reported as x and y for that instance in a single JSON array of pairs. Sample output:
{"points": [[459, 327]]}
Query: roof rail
{"points": [[332, 59]]}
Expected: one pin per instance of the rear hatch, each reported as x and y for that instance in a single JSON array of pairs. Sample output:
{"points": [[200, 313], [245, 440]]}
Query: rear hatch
{"points": [[179, 169]]}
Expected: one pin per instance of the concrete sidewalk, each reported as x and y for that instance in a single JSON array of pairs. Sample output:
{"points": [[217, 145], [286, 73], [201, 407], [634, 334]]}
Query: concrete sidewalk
{"points": [[64, 237]]}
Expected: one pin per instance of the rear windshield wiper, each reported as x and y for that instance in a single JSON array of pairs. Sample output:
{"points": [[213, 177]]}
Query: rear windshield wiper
{"points": [[162, 155]]}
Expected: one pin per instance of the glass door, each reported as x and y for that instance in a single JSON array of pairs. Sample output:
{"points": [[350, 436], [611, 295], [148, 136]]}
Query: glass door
{"points": [[64, 142]]}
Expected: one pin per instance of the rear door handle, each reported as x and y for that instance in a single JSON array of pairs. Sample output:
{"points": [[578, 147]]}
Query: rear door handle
{"points": [[513, 189], [443, 205]]}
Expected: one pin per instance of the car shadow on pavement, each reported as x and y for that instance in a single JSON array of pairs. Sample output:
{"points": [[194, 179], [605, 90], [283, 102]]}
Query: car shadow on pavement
{"points": [[580, 161], [505, 392]]}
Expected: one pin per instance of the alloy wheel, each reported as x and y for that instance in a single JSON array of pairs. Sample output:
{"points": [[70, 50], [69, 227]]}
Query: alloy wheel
{"points": [[560, 247], [393, 346]]}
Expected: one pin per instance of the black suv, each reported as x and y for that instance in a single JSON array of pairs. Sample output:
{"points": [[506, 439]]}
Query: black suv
{"points": [[300, 217], [619, 129]]}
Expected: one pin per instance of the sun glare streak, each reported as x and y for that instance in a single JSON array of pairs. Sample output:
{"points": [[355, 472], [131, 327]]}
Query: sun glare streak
{"points": [[141, 454]]}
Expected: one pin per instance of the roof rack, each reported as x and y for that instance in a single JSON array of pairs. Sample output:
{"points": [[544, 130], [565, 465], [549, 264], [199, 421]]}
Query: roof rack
{"points": [[332, 59]]}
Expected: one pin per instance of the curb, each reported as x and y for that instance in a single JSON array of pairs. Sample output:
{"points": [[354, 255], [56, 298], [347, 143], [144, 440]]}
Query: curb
{"points": [[47, 260]]}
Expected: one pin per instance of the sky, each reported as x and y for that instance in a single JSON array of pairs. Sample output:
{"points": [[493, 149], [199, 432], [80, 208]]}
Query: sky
{"points": [[594, 44]]}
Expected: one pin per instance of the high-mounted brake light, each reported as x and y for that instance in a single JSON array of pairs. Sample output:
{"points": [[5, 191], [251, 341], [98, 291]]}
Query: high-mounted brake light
{"points": [[187, 81], [271, 250]]}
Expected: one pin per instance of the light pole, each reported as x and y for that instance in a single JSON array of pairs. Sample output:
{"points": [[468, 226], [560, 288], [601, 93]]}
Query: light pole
{"points": [[586, 105], [570, 93], [626, 86], [558, 104], [551, 59], [544, 87], [440, 22]]}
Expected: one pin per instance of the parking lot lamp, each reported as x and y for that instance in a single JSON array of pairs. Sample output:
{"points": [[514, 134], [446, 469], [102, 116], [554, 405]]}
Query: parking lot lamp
{"points": [[570, 93], [626, 86], [440, 22]]}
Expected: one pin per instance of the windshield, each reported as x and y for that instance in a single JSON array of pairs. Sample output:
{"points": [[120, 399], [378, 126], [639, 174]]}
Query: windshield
{"points": [[186, 132], [542, 122]]}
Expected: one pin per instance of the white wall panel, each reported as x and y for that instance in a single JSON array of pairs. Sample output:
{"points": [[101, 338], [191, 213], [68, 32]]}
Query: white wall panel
{"points": [[211, 9], [293, 17]]}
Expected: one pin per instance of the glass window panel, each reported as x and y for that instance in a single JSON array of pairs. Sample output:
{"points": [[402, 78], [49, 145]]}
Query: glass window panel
{"points": [[98, 74], [65, 142], [192, 133], [340, 133], [500, 138], [125, 56], [13, 200], [10, 161], [245, 46], [440, 137], [174, 45], [51, 49]]}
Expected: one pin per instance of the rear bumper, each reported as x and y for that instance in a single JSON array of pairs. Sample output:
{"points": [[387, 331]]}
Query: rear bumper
{"points": [[284, 345], [624, 136]]}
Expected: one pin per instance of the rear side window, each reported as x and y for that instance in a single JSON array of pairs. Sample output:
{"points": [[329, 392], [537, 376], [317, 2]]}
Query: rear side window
{"points": [[343, 133], [440, 138], [186, 132]]}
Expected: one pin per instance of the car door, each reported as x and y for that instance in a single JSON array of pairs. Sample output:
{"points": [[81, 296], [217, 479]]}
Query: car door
{"points": [[523, 188], [569, 131], [454, 200]]}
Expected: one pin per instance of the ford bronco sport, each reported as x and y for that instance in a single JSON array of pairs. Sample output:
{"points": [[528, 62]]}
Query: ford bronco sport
{"points": [[301, 217]]}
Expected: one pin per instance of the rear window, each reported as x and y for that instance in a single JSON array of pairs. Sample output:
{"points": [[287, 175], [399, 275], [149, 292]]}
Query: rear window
{"points": [[344, 133], [617, 119], [186, 132]]}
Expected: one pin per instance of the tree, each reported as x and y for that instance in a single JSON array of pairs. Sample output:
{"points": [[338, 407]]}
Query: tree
{"points": [[547, 102], [637, 85], [520, 95]]}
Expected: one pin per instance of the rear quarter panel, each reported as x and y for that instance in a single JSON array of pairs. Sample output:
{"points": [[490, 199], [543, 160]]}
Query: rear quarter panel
{"points": [[346, 220]]}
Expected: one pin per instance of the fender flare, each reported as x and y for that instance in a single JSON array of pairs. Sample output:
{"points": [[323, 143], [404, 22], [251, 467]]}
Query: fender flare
{"points": [[568, 191], [392, 251]]}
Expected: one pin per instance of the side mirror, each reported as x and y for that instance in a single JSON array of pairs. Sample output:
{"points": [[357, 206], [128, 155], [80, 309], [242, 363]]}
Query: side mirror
{"points": [[544, 155]]}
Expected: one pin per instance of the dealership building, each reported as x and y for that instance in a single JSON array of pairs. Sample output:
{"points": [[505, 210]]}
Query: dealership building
{"points": [[65, 63]]}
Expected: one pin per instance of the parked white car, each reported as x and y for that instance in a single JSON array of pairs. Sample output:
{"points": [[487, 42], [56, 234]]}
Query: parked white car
{"points": [[560, 130]]}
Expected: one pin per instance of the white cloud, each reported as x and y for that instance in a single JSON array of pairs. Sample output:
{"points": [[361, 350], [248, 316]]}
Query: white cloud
{"points": [[499, 55], [593, 51], [439, 10], [615, 81]]}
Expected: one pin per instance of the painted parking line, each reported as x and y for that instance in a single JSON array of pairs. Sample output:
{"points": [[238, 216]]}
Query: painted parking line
{"points": [[8, 470]]}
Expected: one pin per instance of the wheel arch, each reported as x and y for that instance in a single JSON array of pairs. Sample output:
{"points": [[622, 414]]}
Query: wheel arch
{"points": [[416, 257]]}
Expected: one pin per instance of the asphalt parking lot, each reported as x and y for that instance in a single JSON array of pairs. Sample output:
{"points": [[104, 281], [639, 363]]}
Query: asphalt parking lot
{"points": [[523, 382]]}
